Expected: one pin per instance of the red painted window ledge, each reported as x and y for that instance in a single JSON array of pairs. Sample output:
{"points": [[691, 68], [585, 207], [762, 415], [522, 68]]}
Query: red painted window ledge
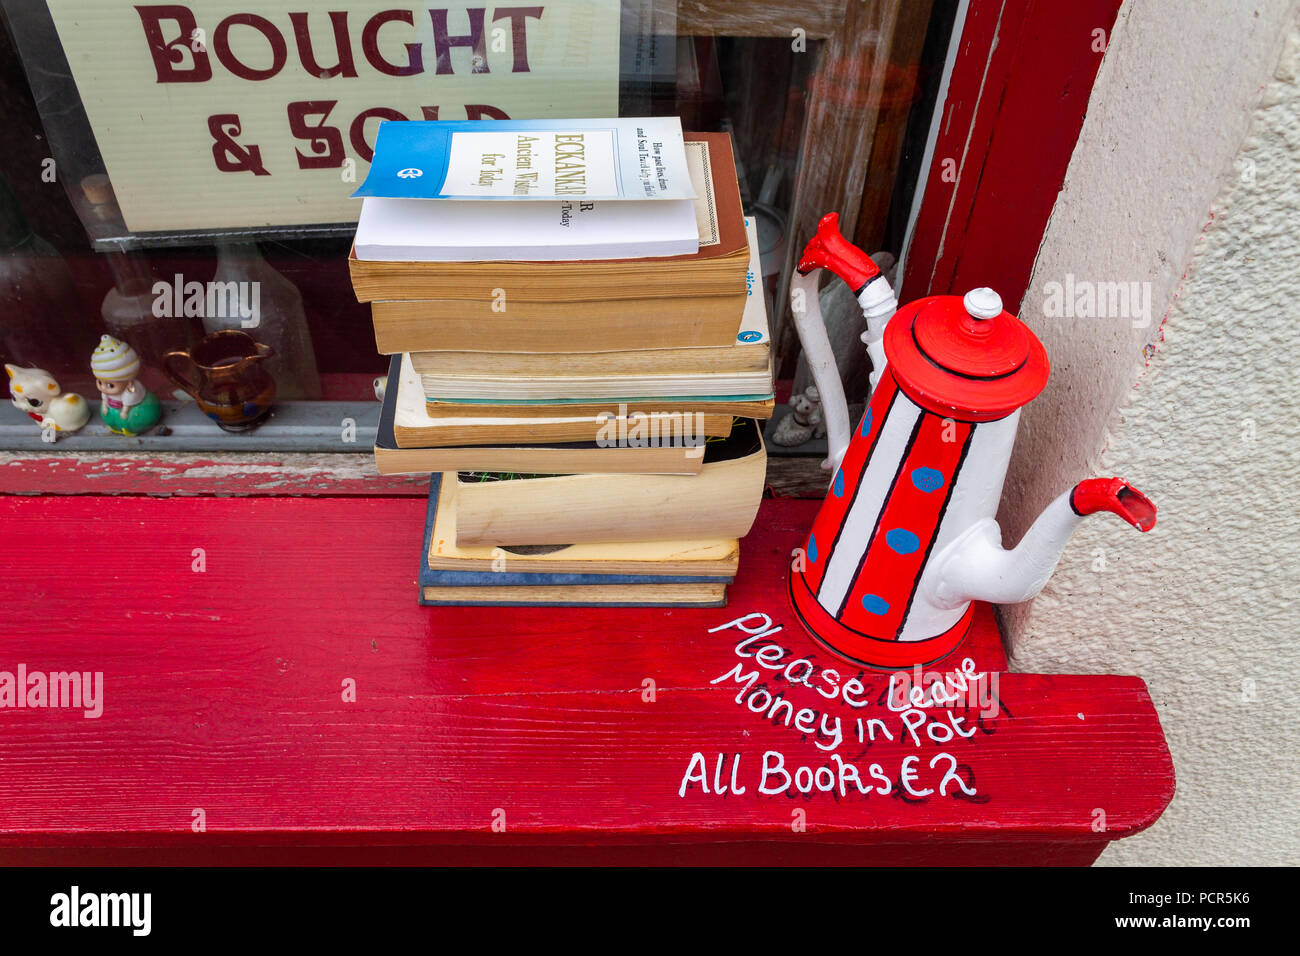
{"points": [[497, 735]]}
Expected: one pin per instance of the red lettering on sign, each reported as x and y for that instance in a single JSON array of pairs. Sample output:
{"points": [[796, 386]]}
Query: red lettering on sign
{"points": [[221, 46], [326, 142], [478, 111], [370, 44], [168, 55], [442, 43], [518, 33], [229, 155], [342, 46], [172, 37]]}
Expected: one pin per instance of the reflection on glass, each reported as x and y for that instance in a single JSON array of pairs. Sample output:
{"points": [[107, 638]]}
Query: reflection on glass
{"points": [[41, 316], [269, 308]]}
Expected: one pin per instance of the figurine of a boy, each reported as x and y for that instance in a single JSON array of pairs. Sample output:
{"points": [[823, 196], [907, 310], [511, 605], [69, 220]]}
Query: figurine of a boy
{"points": [[127, 406]]}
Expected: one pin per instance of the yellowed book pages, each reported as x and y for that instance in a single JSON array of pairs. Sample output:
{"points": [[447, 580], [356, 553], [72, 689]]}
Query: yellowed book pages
{"points": [[535, 459], [543, 338], [718, 268], [591, 281], [612, 385], [418, 424], [448, 432], [508, 323], [697, 362], [678, 454], [762, 410], [632, 594], [707, 557], [722, 500]]}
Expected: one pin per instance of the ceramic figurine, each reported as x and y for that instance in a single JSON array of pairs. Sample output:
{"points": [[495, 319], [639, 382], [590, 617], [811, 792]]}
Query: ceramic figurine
{"points": [[804, 423], [36, 392], [127, 406], [224, 373], [907, 538]]}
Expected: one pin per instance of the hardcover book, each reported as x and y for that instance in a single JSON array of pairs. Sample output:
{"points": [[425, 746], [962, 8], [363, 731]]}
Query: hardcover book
{"points": [[738, 408], [681, 454], [691, 558], [721, 501], [418, 424], [505, 586], [566, 372]]}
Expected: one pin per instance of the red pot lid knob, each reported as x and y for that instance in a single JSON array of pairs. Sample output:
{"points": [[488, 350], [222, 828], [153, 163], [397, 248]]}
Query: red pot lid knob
{"points": [[965, 358]]}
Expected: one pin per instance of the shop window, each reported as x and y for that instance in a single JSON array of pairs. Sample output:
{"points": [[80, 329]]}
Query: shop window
{"points": [[172, 169]]}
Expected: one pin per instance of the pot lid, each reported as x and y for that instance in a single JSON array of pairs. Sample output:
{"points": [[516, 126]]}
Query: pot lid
{"points": [[965, 358]]}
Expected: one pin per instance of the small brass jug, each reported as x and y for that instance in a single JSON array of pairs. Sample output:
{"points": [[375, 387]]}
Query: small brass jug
{"points": [[224, 374]]}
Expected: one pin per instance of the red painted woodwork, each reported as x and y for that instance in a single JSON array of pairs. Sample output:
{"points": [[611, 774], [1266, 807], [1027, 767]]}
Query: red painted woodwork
{"points": [[254, 474], [223, 692], [1016, 101]]}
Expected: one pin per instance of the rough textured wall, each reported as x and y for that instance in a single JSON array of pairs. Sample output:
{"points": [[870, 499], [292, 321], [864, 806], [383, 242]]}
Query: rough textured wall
{"points": [[1207, 607]]}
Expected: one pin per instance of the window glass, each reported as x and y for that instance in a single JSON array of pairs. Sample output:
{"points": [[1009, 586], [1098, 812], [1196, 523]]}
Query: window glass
{"points": [[170, 170]]}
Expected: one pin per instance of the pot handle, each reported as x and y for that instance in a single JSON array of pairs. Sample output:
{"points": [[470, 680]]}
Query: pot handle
{"points": [[172, 364], [818, 354], [828, 249]]}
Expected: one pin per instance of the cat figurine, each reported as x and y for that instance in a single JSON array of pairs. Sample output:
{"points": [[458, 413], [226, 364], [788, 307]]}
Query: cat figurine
{"points": [[35, 392]]}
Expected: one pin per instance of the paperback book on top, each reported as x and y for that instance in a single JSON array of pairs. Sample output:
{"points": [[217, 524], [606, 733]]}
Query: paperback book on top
{"points": [[568, 190], [574, 159]]}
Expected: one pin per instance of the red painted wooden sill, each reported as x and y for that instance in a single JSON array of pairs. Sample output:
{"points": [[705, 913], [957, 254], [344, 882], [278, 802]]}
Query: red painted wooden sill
{"points": [[225, 736]]}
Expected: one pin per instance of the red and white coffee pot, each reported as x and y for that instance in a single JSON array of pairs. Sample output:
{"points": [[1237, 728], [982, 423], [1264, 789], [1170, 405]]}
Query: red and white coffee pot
{"points": [[907, 537]]}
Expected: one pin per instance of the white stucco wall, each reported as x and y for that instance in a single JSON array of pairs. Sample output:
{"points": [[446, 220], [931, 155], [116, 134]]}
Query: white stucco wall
{"points": [[1187, 176]]}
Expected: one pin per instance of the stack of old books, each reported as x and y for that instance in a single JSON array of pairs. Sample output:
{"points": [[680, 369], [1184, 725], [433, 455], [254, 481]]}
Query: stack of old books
{"points": [[580, 377]]}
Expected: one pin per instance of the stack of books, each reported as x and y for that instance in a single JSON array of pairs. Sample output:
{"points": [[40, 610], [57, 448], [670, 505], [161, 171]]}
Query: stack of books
{"points": [[581, 377]]}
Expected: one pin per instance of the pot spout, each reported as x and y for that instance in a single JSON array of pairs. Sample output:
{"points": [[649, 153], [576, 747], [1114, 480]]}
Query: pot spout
{"points": [[976, 567]]}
